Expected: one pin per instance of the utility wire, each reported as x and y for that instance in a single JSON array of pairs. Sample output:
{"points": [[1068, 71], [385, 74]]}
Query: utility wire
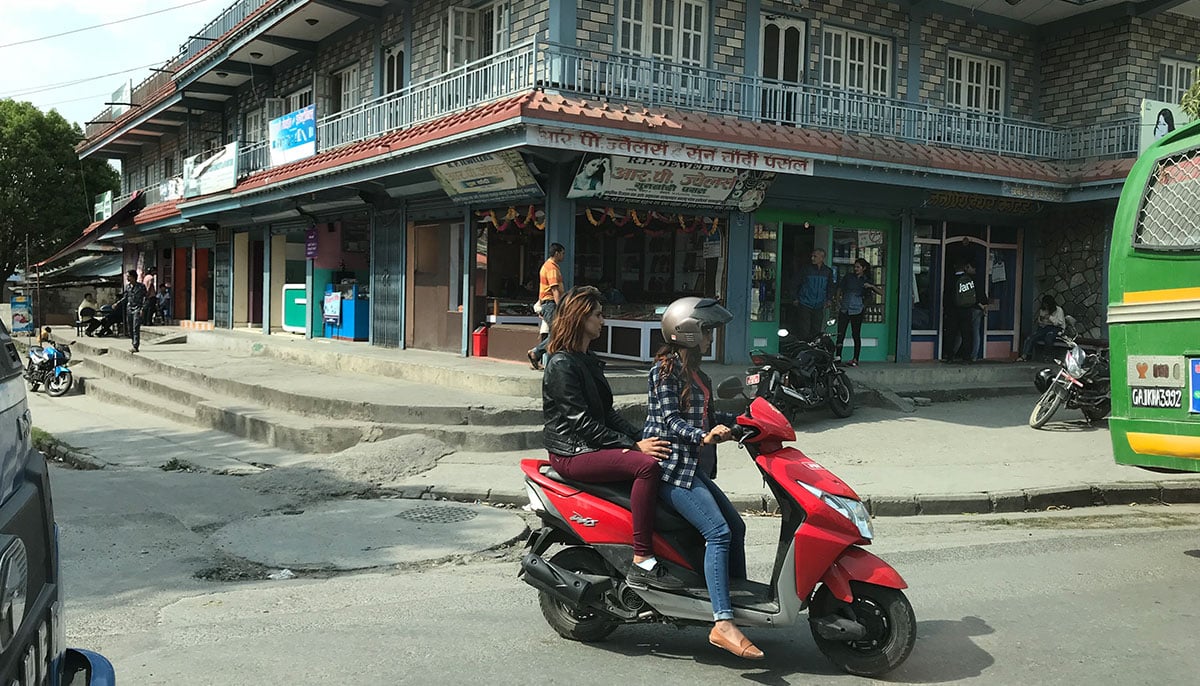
{"points": [[74, 82], [97, 26]]}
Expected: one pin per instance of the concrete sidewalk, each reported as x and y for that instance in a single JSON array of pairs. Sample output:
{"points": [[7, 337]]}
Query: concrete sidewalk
{"points": [[973, 456]]}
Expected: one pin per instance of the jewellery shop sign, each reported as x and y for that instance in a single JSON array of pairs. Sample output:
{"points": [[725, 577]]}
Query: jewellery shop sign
{"points": [[666, 182]]}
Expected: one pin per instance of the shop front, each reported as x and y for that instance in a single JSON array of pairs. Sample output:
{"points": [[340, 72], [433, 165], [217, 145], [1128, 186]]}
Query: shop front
{"points": [[341, 277], [783, 244]]}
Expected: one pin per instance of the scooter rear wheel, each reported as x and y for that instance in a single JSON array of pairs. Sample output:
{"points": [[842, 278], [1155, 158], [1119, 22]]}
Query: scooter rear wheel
{"points": [[576, 623], [890, 622]]}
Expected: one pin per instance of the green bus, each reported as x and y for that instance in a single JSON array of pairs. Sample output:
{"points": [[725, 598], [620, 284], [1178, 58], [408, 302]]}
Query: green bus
{"points": [[1154, 308]]}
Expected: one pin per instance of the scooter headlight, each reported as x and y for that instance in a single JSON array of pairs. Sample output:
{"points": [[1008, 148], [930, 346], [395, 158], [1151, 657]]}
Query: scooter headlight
{"points": [[849, 508]]}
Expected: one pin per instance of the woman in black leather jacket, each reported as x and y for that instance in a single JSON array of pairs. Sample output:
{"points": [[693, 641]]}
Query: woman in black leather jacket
{"points": [[587, 439]]}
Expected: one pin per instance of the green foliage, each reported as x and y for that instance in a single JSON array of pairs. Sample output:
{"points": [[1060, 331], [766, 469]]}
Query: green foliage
{"points": [[1191, 101], [46, 192]]}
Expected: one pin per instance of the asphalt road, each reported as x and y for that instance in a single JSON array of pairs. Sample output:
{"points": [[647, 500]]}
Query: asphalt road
{"points": [[1092, 596]]}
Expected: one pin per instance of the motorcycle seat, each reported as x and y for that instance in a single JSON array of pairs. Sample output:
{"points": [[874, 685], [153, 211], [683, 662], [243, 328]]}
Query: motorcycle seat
{"points": [[617, 493]]}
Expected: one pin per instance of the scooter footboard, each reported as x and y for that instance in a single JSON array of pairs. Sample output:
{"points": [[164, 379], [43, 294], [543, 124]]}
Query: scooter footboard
{"points": [[856, 564]]}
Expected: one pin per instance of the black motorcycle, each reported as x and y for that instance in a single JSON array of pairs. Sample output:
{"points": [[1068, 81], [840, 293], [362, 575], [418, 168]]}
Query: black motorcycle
{"points": [[803, 376], [1081, 382]]}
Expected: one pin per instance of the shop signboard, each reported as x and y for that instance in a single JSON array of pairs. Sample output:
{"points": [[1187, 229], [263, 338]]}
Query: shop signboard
{"points": [[293, 136], [310, 244], [22, 314], [102, 209], [666, 182], [210, 171], [1159, 118], [499, 177], [172, 188]]}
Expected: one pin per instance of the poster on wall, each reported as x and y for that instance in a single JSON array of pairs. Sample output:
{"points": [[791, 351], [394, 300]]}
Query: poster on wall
{"points": [[22, 315], [492, 178], [210, 171], [331, 309], [293, 136], [667, 182], [1158, 118]]}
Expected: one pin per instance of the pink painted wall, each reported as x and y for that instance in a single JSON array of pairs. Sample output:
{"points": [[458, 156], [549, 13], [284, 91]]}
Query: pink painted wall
{"points": [[329, 250]]}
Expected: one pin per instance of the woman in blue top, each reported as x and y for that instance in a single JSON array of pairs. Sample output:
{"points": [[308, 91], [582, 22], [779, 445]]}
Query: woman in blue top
{"points": [[851, 294], [680, 410]]}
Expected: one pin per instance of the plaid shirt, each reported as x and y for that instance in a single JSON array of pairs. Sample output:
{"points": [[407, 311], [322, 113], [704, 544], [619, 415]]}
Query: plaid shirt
{"points": [[685, 430]]}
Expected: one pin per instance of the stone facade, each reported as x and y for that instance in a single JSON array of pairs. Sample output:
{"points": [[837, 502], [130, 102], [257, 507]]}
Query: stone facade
{"points": [[1087, 76], [1071, 263]]}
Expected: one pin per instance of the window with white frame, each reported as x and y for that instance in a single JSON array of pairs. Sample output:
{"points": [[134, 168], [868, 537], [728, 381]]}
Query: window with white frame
{"points": [[1174, 79], [393, 69], [300, 99], [346, 90], [856, 61], [254, 129], [975, 83], [473, 33], [668, 30]]}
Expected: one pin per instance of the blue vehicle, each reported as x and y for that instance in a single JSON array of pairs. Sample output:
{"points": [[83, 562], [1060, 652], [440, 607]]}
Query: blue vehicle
{"points": [[31, 591], [48, 367]]}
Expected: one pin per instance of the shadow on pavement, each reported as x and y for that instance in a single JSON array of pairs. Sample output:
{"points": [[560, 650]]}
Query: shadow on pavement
{"points": [[945, 652]]}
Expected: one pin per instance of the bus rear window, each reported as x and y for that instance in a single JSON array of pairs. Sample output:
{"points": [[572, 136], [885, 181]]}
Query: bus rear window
{"points": [[1170, 215]]}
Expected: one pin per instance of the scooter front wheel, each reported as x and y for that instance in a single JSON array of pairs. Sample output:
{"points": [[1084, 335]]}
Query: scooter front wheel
{"points": [[577, 623], [1047, 405], [891, 629], [60, 384]]}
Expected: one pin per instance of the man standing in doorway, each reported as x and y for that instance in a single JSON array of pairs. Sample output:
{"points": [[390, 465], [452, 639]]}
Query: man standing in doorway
{"points": [[550, 291], [967, 304], [134, 300], [814, 288]]}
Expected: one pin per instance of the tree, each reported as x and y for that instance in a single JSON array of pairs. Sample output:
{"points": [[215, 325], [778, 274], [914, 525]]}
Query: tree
{"points": [[1191, 101], [46, 191]]}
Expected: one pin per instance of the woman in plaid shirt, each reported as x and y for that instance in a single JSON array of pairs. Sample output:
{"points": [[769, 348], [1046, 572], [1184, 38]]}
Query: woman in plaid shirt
{"points": [[680, 410]]}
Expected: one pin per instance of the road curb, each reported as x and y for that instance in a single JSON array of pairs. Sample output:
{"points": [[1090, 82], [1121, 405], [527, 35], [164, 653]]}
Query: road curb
{"points": [[1174, 492], [55, 449]]}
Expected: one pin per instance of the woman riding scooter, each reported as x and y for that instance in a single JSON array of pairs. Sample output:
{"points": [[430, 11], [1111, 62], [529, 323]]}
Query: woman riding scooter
{"points": [[587, 439], [680, 410]]}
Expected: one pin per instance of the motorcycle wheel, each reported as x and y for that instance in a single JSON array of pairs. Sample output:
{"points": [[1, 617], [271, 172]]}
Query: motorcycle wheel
{"points": [[1097, 413], [841, 395], [60, 384], [574, 623], [1047, 405], [891, 629]]}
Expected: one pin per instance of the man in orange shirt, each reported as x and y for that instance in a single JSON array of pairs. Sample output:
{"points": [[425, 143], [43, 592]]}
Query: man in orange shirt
{"points": [[550, 290]]}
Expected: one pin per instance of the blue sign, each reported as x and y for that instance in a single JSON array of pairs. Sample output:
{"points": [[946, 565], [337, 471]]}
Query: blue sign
{"points": [[293, 136], [22, 314], [1194, 385]]}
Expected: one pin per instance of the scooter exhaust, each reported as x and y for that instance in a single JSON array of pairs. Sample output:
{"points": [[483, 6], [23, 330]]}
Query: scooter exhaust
{"points": [[574, 589]]}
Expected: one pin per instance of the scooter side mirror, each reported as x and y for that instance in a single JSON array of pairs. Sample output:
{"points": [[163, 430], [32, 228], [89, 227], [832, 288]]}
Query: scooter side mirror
{"points": [[730, 388]]}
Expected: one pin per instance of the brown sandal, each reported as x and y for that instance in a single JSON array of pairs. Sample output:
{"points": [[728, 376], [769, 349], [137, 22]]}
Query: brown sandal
{"points": [[744, 648]]}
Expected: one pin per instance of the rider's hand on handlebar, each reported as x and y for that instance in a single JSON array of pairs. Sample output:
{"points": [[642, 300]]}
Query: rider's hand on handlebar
{"points": [[719, 434], [658, 448]]}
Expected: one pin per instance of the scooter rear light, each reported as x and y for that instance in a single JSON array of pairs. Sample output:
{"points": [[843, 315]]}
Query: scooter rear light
{"points": [[758, 359], [535, 500]]}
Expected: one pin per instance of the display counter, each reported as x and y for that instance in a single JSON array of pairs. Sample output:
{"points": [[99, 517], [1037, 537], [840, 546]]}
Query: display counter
{"points": [[352, 321], [295, 308], [636, 340]]}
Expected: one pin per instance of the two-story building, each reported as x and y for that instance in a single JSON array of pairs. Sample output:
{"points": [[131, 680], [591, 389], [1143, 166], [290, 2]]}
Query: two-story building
{"points": [[392, 171]]}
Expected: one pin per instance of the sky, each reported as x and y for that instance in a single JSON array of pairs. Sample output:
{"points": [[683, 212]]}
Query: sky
{"points": [[136, 43]]}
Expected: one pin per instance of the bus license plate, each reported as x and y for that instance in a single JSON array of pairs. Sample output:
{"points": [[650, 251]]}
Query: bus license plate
{"points": [[753, 379], [1160, 398]]}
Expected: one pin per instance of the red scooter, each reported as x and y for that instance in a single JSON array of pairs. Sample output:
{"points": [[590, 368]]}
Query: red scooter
{"points": [[859, 617]]}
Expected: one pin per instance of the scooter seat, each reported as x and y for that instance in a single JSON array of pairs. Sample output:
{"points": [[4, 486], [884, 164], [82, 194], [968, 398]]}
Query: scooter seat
{"points": [[617, 493]]}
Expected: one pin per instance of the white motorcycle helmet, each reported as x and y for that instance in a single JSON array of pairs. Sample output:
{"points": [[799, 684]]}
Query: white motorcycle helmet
{"points": [[684, 321]]}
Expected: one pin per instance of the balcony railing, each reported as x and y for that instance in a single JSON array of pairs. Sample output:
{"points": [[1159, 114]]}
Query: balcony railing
{"points": [[168, 189], [231, 17]]}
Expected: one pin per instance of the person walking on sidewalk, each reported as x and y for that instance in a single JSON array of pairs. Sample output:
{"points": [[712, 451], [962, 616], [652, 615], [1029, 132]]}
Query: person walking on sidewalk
{"points": [[814, 288], [588, 440], [550, 291], [852, 293], [134, 302], [680, 410]]}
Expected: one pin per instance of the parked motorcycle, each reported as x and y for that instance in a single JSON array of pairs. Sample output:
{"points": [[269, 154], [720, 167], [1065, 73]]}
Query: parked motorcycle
{"points": [[1081, 382], [858, 615], [803, 376], [47, 367]]}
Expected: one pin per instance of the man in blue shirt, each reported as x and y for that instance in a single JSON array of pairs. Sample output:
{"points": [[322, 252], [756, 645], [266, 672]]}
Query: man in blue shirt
{"points": [[811, 295]]}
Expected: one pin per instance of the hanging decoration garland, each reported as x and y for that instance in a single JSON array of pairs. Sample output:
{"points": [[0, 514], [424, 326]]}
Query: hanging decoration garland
{"points": [[687, 224], [512, 219]]}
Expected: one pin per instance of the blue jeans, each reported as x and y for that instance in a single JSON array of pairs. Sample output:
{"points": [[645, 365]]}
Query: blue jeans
{"points": [[1044, 335], [707, 508]]}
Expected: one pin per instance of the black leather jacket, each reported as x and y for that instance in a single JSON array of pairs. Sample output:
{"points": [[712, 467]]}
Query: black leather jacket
{"points": [[577, 404]]}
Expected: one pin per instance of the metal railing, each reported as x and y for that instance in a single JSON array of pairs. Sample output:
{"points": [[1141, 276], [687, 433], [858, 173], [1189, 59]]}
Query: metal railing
{"points": [[224, 23], [167, 189]]}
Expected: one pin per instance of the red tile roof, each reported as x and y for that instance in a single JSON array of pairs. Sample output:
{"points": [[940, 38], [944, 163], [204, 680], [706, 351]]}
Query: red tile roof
{"points": [[157, 211], [667, 122]]}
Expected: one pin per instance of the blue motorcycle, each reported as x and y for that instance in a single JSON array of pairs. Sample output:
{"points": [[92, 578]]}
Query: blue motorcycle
{"points": [[48, 367]]}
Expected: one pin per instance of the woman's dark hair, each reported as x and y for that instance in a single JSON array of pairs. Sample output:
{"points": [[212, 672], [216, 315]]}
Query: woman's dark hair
{"points": [[866, 267], [1168, 118], [566, 334], [1049, 302], [682, 361]]}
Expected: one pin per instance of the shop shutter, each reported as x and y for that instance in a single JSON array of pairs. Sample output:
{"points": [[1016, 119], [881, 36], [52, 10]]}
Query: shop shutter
{"points": [[387, 250], [223, 285]]}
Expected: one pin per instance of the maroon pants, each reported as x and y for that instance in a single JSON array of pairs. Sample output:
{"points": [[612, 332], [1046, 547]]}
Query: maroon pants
{"points": [[614, 464]]}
